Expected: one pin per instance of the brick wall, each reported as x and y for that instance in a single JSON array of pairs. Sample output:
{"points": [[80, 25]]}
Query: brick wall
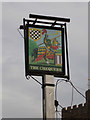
{"points": [[78, 111]]}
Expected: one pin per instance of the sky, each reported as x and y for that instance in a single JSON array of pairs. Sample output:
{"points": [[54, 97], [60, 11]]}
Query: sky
{"points": [[22, 98]]}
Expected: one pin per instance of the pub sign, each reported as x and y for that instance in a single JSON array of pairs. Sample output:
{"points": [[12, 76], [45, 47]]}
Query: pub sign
{"points": [[44, 49]]}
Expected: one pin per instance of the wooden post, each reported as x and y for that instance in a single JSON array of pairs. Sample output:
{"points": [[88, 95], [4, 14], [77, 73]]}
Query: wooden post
{"points": [[48, 97]]}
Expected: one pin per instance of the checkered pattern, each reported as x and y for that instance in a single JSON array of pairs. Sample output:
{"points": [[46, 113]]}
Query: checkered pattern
{"points": [[35, 34]]}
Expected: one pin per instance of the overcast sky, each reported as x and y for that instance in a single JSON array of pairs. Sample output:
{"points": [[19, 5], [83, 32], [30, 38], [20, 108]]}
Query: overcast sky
{"points": [[22, 98]]}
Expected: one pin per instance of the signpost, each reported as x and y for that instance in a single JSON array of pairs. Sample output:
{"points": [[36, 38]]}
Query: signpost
{"points": [[48, 100], [46, 54]]}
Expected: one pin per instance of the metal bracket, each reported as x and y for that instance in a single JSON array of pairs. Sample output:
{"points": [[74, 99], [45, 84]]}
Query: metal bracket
{"points": [[49, 18], [35, 21], [53, 23], [21, 27]]}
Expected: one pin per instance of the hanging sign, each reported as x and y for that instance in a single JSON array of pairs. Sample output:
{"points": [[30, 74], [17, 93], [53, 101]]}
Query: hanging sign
{"points": [[44, 49]]}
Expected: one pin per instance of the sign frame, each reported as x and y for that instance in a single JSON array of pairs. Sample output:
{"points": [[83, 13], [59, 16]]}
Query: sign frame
{"points": [[40, 72]]}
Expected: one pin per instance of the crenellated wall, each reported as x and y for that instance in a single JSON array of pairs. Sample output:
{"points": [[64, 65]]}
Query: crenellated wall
{"points": [[78, 111]]}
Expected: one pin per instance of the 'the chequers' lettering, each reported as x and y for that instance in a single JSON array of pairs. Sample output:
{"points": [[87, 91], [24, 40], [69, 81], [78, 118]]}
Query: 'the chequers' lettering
{"points": [[45, 68]]}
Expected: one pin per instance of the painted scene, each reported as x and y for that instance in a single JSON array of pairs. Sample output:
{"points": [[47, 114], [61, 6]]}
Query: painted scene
{"points": [[45, 47]]}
